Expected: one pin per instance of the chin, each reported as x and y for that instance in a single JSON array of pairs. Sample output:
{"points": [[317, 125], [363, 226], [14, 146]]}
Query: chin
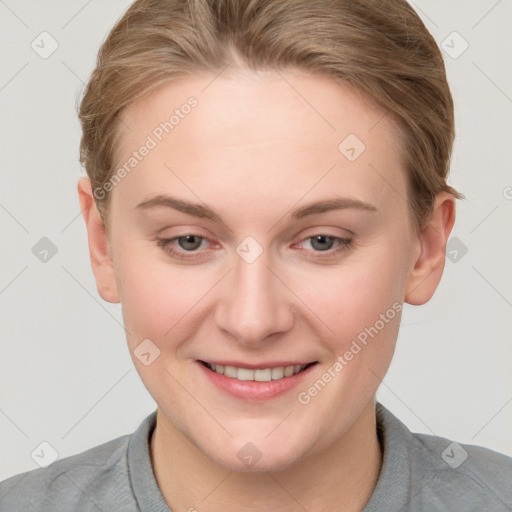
{"points": [[258, 457], [273, 463]]}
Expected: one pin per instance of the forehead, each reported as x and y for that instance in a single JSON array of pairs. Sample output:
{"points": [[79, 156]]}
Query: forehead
{"points": [[269, 134]]}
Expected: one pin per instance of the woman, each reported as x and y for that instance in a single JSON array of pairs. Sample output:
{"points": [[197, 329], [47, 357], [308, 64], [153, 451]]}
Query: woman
{"points": [[225, 142]]}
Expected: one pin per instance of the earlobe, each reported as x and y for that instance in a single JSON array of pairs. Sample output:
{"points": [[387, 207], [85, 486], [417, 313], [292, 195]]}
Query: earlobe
{"points": [[99, 245], [428, 267]]}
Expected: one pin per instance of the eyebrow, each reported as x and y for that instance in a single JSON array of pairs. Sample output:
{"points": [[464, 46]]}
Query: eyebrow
{"points": [[199, 210]]}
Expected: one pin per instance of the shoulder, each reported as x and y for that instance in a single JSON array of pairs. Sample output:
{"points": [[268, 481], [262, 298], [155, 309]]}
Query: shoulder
{"points": [[466, 473], [77, 482], [442, 474]]}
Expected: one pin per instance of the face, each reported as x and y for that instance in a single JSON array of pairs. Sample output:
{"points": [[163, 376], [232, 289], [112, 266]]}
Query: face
{"points": [[220, 258]]}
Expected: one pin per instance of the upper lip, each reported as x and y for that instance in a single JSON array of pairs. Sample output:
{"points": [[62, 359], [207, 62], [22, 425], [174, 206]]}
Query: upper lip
{"points": [[257, 366]]}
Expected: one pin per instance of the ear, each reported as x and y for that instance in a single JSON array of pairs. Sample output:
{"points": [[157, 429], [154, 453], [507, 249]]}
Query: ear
{"points": [[429, 264], [99, 245]]}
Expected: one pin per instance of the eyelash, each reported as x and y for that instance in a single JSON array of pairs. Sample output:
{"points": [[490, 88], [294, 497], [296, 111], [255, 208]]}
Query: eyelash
{"points": [[165, 243]]}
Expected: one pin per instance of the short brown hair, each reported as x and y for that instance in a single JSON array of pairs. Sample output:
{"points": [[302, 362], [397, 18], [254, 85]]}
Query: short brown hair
{"points": [[379, 47]]}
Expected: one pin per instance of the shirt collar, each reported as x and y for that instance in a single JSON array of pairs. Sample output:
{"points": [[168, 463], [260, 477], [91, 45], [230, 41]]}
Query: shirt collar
{"points": [[145, 488], [392, 491]]}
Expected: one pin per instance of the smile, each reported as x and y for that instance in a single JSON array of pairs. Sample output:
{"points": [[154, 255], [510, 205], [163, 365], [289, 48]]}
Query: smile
{"points": [[257, 375], [255, 382]]}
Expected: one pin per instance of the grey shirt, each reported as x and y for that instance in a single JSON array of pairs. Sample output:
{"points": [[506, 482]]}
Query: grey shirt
{"points": [[419, 473]]}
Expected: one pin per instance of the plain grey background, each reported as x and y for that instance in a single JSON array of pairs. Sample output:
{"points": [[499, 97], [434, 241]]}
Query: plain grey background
{"points": [[66, 377]]}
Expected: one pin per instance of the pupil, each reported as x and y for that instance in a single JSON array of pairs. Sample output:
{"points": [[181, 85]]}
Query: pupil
{"points": [[187, 240], [322, 239]]}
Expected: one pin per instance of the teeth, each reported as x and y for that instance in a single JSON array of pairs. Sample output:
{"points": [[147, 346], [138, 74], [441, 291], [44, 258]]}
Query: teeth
{"points": [[260, 375], [277, 373], [263, 375], [244, 374], [229, 371]]}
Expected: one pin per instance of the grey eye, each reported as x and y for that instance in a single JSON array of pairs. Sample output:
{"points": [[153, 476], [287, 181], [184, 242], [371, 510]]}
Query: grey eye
{"points": [[188, 243], [322, 242]]}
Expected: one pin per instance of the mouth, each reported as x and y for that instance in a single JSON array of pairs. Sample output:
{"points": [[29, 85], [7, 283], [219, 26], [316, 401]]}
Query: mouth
{"points": [[262, 374]]}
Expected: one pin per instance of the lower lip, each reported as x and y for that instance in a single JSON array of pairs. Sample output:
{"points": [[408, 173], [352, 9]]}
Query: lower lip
{"points": [[254, 390]]}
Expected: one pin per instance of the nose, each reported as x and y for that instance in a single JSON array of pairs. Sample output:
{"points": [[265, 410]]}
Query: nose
{"points": [[254, 303]]}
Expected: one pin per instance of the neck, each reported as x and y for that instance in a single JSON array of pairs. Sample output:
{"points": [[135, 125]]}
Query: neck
{"points": [[341, 477]]}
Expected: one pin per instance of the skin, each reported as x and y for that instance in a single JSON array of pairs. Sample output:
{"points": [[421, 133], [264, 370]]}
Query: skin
{"points": [[255, 149]]}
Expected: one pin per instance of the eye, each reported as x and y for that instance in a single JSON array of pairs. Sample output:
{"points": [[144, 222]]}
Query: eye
{"points": [[189, 242], [181, 245], [187, 246], [324, 244]]}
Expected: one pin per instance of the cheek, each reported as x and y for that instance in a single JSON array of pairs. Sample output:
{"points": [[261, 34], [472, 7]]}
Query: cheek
{"points": [[355, 295], [159, 298]]}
